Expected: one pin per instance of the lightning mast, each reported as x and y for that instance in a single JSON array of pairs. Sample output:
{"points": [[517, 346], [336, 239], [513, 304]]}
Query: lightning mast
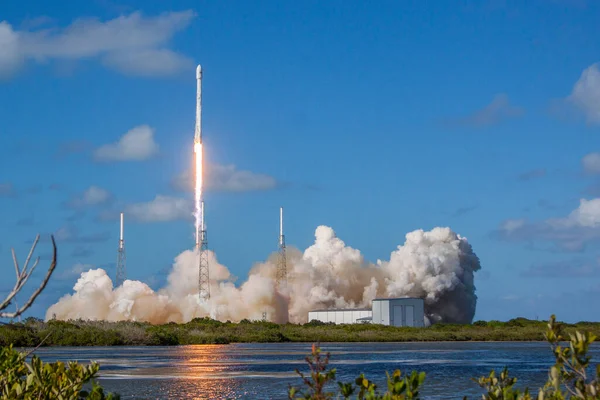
{"points": [[281, 275], [121, 272]]}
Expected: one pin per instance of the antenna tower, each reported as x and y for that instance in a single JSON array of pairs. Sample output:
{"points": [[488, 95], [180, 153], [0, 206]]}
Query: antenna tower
{"points": [[121, 273], [281, 276], [204, 281]]}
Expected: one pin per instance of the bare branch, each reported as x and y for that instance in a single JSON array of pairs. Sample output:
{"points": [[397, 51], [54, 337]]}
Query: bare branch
{"points": [[37, 238], [6, 302], [22, 278], [12, 250]]}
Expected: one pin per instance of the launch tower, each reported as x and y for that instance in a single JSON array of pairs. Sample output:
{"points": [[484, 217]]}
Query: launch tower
{"points": [[203, 270]]}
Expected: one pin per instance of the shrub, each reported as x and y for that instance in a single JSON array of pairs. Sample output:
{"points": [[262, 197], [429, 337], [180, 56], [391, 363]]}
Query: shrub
{"points": [[567, 379], [36, 380]]}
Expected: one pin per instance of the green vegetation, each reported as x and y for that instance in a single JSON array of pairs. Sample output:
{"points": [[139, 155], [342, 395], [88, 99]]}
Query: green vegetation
{"points": [[568, 378], [36, 380], [207, 331]]}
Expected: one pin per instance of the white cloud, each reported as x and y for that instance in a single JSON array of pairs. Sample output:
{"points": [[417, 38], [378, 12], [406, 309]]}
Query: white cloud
{"points": [[161, 209], [226, 178], [136, 145], [147, 62], [75, 271], [71, 234], [570, 233], [7, 190], [229, 178], [10, 57], [586, 215], [512, 224], [591, 163], [132, 43], [496, 111], [586, 94], [92, 196]]}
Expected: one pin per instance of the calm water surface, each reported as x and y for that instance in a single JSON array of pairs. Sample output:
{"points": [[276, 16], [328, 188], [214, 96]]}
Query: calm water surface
{"points": [[264, 371]]}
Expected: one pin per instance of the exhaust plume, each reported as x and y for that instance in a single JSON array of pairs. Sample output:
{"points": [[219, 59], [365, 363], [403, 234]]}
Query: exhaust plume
{"points": [[437, 266]]}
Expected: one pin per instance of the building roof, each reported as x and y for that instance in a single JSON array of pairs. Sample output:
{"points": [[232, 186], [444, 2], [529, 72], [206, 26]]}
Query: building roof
{"points": [[397, 298], [342, 309]]}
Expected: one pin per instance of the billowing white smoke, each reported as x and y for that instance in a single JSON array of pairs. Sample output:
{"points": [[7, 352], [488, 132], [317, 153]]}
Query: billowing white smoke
{"points": [[437, 266]]}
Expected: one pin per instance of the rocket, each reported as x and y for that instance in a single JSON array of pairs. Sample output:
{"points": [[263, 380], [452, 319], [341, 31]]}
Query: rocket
{"points": [[198, 160], [198, 133]]}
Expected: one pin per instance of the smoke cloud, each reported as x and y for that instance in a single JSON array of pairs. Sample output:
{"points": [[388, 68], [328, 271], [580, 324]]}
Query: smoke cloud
{"points": [[437, 266]]}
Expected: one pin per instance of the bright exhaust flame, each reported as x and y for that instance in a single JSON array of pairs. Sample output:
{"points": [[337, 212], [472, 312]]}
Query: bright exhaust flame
{"points": [[198, 191]]}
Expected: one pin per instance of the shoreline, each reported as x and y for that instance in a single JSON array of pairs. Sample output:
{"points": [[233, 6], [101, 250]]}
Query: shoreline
{"points": [[206, 331], [310, 343]]}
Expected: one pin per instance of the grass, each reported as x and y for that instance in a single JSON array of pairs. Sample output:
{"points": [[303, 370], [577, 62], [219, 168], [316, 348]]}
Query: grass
{"points": [[206, 331]]}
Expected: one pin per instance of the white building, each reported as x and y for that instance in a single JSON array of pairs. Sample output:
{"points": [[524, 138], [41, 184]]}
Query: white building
{"points": [[394, 312], [399, 312], [339, 316]]}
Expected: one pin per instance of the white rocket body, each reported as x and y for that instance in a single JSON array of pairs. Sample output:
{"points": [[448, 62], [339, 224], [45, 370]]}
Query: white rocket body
{"points": [[121, 234], [198, 132], [198, 149]]}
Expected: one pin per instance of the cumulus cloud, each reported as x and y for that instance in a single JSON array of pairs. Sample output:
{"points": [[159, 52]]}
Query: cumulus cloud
{"points": [[226, 178], [463, 211], [72, 147], [25, 221], [75, 271], [82, 252], [570, 233], [591, 163], [10, 56], [586, 94], [132, 44], [7, 190], [533, 174], [92, 196], [498, 110], [437, 266], [71, 234], [136, 145], [147, 62], [563, 269], [160, 209]]}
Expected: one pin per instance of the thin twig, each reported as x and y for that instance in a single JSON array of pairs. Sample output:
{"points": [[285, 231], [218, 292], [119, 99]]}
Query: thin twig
{"points": [[37, 347]]}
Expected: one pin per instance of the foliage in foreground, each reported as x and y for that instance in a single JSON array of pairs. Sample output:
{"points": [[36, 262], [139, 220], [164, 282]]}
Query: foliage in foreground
{"points": [[208, 331], [568, 378], [38, 380]]}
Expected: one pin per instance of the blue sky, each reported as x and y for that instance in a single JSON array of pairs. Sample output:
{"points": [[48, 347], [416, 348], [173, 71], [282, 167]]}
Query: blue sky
{"points": [[373, 118]]}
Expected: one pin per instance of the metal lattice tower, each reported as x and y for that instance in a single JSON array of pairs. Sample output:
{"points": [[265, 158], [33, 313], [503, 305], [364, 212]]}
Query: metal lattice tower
{"points": [[281, 275], [121, 259], [203, 270]]}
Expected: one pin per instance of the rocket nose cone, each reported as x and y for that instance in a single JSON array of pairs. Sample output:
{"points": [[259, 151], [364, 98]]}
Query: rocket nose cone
{"points": [[198, 72]]}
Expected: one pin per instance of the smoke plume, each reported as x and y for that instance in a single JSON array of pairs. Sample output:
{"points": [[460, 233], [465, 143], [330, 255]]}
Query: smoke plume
{"points": [[437, 266]]}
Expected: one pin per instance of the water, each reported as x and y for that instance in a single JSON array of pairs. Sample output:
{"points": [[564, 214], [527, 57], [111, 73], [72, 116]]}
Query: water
{"points": [[264, 371]]}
